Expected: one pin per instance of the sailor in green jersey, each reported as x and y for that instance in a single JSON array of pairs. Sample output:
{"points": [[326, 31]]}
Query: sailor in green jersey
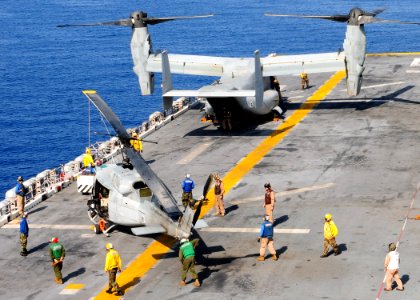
{"points": [[57, 254], [187, 258]]}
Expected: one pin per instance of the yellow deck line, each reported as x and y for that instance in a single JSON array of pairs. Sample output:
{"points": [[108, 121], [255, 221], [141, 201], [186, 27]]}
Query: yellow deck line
{"points": [[394, 54], [157, 249]]}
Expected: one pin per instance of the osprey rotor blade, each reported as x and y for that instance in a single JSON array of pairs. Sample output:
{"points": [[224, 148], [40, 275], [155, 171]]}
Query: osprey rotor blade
{"points": [[123, 22], [336, 18], [160, 191], [153, 21], [378, 20]]}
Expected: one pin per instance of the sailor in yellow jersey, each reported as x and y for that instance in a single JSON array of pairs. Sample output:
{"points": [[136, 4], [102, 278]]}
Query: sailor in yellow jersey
{"points": [[136, 141], [112, 266], [330, 232], [88, 159]]}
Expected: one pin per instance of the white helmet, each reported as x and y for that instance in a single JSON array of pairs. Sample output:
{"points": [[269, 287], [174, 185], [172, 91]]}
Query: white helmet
{"points": [[188, 176], [184, 241]]}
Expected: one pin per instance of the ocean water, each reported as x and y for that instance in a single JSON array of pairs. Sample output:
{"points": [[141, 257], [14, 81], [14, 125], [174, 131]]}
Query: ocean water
{"points": [[43, 113]]}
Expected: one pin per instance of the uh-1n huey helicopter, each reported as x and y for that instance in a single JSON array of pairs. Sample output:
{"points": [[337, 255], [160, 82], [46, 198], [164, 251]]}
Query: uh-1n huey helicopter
{"points": [[245, 84], [130, 194]]}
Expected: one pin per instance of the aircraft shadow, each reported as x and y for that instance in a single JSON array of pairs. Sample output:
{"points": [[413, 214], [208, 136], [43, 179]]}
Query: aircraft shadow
{"points": [[349, 103], [76, 273], [39, 247], [245, 132]]}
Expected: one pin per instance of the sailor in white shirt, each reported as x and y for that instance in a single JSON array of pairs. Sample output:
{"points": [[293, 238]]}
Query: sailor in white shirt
{"points": [[391, 266]]}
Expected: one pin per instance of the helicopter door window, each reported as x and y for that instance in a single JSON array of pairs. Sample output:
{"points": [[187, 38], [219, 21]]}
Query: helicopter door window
{"points": [[144, 190]]}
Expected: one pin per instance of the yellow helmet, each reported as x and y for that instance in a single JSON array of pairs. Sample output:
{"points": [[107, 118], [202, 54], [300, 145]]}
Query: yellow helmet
{"points": [[109, 246], [328, 217], [88, 150]]}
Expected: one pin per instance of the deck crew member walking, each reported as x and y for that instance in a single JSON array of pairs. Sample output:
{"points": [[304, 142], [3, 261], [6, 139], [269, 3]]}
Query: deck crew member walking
{"points": [[391, 266], [330, 232], [187, 187], [266, 239], [20, 195], [24, 232], [57, 254], [269, 201], [113, 265], [219, 190], [187, 258]]}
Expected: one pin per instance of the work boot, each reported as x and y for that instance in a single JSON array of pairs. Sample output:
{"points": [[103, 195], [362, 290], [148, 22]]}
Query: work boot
{"points": [[274, 257], [337, 253], [182, 283], [119, 293], [197, 283], [323, 255], [109, 291], [23, 253], [261, 258], [58, 281]]}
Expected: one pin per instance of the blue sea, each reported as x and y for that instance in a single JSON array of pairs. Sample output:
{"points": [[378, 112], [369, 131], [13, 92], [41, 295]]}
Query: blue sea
{"points": [[44, 115]]}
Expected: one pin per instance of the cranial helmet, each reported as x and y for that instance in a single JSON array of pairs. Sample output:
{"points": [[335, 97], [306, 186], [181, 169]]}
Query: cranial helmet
{"points": [[54, 240], [108, 246], [267, 185], [266, 217], [188, 176], [328, 217], [20, 178], [88, 150], [184, 241]]}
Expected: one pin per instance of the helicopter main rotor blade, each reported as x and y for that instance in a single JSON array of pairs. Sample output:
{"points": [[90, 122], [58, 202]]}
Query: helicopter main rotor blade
{"points": [[122, 22], [153, 21], [160, 191], [336, 18]]}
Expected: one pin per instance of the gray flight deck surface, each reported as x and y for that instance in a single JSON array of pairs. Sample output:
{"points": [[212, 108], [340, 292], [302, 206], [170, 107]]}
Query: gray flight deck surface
{"points": [[357, 159]]}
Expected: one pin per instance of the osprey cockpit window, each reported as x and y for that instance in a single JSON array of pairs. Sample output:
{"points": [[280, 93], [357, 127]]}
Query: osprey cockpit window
{"points": [[144, 190]]}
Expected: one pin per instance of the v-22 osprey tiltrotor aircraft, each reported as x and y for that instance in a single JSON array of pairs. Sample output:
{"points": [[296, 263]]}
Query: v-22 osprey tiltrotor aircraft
{"points": [[130, 194], [245, 84]]}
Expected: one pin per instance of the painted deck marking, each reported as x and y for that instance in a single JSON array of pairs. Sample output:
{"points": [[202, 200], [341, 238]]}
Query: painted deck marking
{"points": [[377, 85], [163, 244], [72, 289], [284, 193], [415, 63], [193, 154], [254, 230], [50, 226]]}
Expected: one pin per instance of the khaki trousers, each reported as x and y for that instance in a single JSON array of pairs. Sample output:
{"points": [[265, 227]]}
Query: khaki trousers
{"points": [[267, 242], [220, 206], [20, 204], [393, 274], [269, 211]]}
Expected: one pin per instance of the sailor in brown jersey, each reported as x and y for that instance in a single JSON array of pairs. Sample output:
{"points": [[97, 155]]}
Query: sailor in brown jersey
{"points": [[269, 201], [219, 190]]}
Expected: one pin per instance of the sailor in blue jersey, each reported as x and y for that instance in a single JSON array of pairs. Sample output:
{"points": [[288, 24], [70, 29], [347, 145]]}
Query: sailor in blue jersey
{"points": [[266, 239], [20, 191], [187, 187], [24, 232]]}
